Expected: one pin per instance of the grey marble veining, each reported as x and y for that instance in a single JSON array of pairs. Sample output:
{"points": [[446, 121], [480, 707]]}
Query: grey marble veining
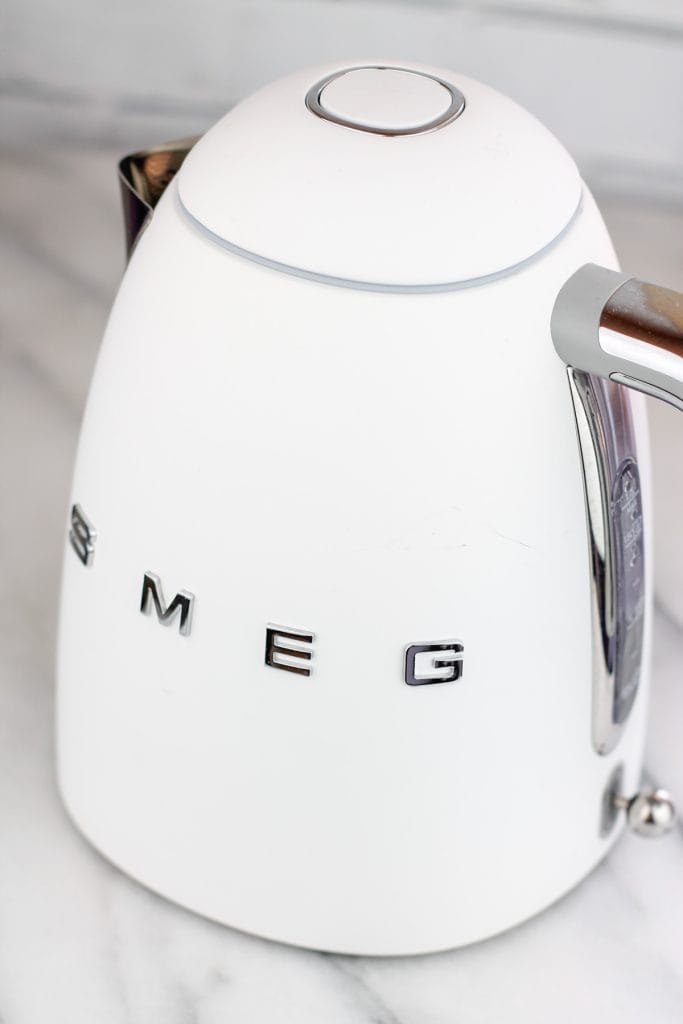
{"points": [[80, 942]]}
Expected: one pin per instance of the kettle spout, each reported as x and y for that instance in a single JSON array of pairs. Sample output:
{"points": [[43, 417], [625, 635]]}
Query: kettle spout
{"points": [[144, 177]]}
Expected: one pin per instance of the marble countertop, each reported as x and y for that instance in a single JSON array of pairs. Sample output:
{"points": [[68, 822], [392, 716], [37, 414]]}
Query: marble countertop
{"points": [[82, 944]]}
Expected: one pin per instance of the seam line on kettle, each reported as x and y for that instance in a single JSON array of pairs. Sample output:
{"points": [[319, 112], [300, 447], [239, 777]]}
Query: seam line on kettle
{"points": [[370, 286]]}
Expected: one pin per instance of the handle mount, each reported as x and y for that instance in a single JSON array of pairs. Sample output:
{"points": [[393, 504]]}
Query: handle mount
{"points": [[614, 326]]}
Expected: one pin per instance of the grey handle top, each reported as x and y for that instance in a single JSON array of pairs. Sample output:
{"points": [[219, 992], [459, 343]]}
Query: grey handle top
{"points": [[617, 327]]}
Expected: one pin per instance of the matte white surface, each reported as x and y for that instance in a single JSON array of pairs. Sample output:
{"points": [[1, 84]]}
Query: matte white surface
{"points": [[469, 199], [103, 947]]}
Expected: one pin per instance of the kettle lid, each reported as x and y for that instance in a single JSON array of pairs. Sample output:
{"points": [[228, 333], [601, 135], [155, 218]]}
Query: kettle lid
{"points": [[381, 175]]}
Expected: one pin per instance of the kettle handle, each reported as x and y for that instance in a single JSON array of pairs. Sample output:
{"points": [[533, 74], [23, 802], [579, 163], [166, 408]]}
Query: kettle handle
{"points": [[144, 177], [615, 326]]}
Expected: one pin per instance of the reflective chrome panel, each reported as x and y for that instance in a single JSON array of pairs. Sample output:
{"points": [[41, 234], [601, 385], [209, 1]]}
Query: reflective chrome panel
{"points": [[646, 312], [617, 558]]}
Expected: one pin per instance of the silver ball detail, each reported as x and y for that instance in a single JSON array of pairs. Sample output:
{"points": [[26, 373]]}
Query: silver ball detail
{"points": [[651, 813]]}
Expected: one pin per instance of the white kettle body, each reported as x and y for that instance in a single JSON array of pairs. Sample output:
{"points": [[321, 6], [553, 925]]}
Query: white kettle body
{"points": [[376, 721]]}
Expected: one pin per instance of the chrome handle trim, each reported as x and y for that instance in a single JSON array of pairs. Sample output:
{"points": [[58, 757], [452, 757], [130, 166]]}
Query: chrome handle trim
{"points": [[647, 389], [614, 326], [608, 450]]}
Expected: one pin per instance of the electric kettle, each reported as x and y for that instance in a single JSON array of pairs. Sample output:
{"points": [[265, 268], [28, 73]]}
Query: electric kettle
{"points": [[402, 552]]}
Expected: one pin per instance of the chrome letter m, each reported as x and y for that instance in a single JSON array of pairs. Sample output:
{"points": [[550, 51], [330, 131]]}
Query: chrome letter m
{"points": [[183, 602]]}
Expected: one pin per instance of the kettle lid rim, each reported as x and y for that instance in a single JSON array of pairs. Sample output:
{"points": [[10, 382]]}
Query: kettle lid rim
{"points": [[383, 286]]}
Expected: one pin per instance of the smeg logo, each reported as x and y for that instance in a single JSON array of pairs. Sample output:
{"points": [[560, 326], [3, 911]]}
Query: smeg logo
{"points": [[286, 647]]}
